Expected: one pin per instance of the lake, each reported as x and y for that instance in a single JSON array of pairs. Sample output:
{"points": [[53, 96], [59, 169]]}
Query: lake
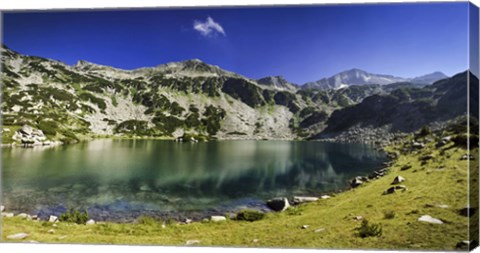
{"points": [[122, 179]]}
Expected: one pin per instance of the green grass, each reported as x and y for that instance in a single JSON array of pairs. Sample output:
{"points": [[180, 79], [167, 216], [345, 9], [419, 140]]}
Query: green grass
{"points": [[442, 180]]}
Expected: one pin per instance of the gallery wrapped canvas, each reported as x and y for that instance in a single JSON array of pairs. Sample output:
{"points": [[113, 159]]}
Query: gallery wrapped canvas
{"points": [[334, 126]]}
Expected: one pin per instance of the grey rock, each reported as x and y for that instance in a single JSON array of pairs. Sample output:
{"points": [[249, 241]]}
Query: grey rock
{"points": [[218, 218], [398, 179], [278, 204], [7, 215], [318, 230], [90, 222], [357, 181], [418, 145], [429, 219], [188, 221], [465, 245], [18, 236], [53, 218], [305, 226], [23, 216], [26, 130], [325, 197], [51, 231], [393, 189], [300, 199]]}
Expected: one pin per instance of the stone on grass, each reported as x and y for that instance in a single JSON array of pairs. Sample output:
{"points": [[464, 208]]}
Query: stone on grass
{"points": [[53, 218], [300, 199], [467, 211], [218, 218], [23, 215], [398, 179], [62, 237], [7, 215], [406, 167], [90, 222], [325, 197], [305, 226], [393, 189], [318, 230], [278, 204], [358, 218], [465, 245], [255, 240], [442, 206], [192, 242], [357, 181], [188, 221], [430, 219], [51, 231], [18, 236]]}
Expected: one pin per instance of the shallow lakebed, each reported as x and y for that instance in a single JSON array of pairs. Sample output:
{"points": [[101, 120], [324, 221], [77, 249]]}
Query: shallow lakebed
{"points": [[120, 180]]}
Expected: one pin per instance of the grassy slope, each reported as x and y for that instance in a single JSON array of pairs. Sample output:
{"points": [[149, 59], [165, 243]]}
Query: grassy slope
{"points": [[426, 184]]}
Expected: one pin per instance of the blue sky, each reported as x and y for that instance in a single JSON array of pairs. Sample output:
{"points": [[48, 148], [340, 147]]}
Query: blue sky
{"points": [[302, 43]]}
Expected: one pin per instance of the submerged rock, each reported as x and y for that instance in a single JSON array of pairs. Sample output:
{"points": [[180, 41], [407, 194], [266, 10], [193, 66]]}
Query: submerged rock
{"points": [[278, 204]]}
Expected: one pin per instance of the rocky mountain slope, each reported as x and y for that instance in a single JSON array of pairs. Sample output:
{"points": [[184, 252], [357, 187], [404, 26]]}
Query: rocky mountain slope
{"points": [[361, 77], [191, 98], [407, 109]]}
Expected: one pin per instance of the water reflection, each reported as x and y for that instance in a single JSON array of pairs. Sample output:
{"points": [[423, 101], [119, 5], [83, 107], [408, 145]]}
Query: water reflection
{"points": [[146, 175]]}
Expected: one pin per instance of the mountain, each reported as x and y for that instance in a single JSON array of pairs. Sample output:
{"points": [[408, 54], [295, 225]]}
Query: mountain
{"points": [[194, 98], [277, 83], [429, 78], [361, 77], [405, 109]]}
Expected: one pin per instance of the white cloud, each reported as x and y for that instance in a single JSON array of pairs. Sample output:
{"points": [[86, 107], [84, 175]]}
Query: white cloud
{"points": [[209, 27]]}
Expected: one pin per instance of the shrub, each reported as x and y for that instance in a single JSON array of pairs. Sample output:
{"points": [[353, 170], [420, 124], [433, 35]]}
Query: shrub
{"points": [[74, 216], [147, 220], [424, 131], [249, 215], [295, 210], [48, 127], [369, 230], [389, 214]]}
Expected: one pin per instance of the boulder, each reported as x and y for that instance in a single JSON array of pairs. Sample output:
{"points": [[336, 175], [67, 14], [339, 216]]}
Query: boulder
{"points": [[426, 157], [218, 218], [467, 157], [398, 179], [7, 215], [299, 199], [24, 216], [90, 222], [418, 145], [18, 236], [393, 189], [466, 245], [305, 226], [188, 221], [357, 181], [325, 197], [26, 130], [278, 204], [53, 218], [467, 211], [430, 219]]}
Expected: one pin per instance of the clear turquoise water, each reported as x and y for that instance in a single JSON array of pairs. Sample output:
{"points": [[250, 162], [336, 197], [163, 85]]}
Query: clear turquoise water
{"points": [[121, 179]]}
